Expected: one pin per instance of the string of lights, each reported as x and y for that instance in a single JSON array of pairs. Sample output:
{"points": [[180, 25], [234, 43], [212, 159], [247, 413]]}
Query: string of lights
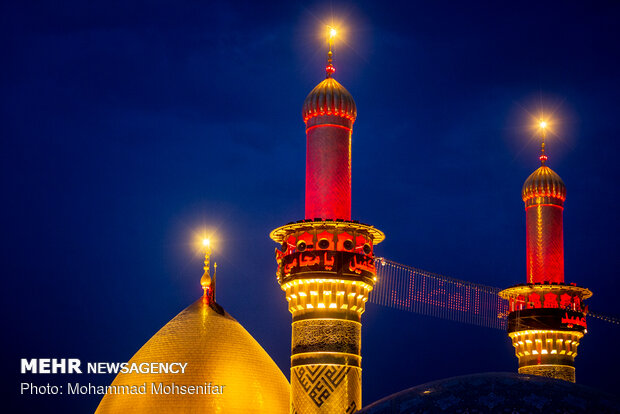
{"points": [[414, 290], [419, 291], [611, 319]]}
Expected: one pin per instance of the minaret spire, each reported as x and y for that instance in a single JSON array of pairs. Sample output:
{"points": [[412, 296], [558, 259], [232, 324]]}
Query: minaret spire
{"points": [[543, 156], [330, 69], [329, 112]]}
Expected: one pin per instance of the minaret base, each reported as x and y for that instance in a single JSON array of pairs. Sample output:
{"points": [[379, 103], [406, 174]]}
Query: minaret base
{"points": [[546, 323], [326, 269], [562, 372], [325, 374], [547, 353]]}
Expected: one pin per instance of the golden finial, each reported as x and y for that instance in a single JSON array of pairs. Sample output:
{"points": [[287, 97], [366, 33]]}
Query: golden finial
{"points": [[543, 156], [329, 69], [205, 280], [213, 283]]}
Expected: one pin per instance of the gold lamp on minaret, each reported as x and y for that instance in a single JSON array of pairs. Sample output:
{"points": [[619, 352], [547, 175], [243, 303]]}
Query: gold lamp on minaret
{"points": [[546, 319], [326, 262]]}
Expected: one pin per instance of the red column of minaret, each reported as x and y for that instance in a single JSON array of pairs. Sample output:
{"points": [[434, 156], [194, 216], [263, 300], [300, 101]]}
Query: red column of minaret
{"points": [[325, 262], [546, 317]]}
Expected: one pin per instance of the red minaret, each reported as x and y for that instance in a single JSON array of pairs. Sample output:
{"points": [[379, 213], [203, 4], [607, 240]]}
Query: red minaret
{"points": [[544, 193], [329, 113], [546, 319], [326, 263]]}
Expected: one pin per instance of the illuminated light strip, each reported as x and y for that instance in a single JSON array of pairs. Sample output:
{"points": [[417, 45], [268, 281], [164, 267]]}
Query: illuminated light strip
{"points": [[338, 113], [310, 281], [551, 195], [327, 319], [330, 125], [545, 205], [537, 331], [302, 281], [577, 334], [543, 289]]}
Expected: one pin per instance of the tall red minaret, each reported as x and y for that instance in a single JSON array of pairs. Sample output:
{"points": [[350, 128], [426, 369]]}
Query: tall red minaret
{"points": [[329, 113], [326, 262], [544, 193], [546, 317]]}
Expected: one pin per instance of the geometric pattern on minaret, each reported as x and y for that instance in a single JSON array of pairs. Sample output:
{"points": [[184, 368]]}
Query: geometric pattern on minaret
{"points": [[546, 319], [326, 262]]}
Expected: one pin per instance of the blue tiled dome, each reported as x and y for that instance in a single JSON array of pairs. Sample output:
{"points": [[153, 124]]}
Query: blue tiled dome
{"points": [[496, 393]]}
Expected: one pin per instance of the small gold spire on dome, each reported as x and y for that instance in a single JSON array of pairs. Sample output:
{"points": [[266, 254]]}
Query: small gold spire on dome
{"points": [[330, 69], [207, 283], [213, 284]]}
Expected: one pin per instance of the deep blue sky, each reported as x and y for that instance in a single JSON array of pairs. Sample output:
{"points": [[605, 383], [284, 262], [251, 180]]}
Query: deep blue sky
{"points": [[127, 126]]}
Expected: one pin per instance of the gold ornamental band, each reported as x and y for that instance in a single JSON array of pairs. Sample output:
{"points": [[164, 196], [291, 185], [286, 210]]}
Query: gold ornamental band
{"points": [[329, 317], [526, 289], [561, 372], [326, 358], [278, 235], [342, 315], [548, 200]]}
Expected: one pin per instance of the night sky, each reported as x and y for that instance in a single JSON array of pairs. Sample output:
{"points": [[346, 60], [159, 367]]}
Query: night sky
{"points": [[130, 127]]}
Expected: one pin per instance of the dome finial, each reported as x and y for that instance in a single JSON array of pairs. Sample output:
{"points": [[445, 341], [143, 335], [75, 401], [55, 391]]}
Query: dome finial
{"points": [[330, 69], [543, 156], [208, 284], [213, 283]]}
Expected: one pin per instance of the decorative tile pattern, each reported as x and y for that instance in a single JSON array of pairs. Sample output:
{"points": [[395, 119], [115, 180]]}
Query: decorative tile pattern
{"points": [[326, 335], [320, 381], [326, 389]]}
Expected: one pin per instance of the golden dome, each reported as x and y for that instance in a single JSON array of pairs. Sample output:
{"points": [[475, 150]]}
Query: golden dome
{"points": [[329, 98], [217, 350], [544, 182]]}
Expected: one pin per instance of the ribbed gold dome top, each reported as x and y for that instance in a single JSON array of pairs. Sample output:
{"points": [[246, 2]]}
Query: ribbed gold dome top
{"points": [[329, 98], [544, 182], [218, 350]]}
